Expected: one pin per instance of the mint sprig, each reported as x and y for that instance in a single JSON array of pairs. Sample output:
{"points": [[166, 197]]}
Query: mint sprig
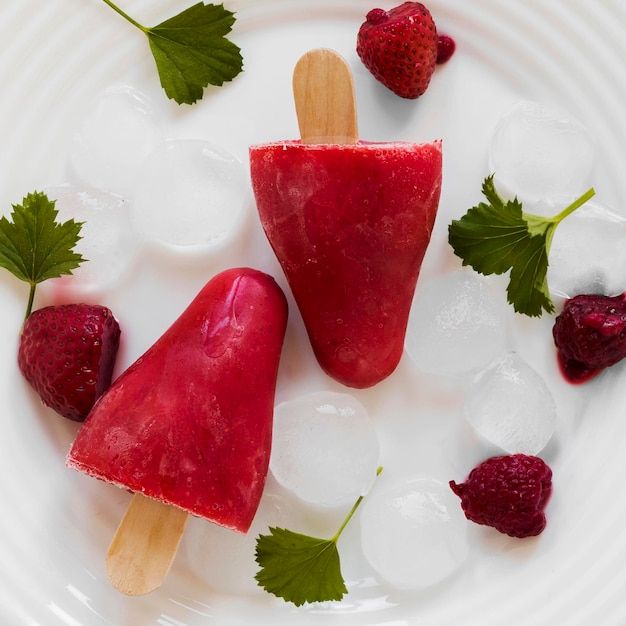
{"points": [[34, 246], [498, 236], [300, 568], [191, 50]]}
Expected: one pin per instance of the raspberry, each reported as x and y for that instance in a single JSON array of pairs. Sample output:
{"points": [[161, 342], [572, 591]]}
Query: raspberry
{"points": [[508, 493], [590, 335]]}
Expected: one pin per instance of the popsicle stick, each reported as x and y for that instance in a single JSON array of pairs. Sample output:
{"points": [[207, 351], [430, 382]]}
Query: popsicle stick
{"points": [[144, 546], [324, 96]]}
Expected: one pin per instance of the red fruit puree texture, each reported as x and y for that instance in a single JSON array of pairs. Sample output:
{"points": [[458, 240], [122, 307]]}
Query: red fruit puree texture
{"points": [[350, 225], [508, 493], [190, 422], [590, 335]]}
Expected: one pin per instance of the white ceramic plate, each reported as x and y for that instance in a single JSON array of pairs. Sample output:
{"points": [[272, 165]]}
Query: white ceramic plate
{"points": [[55, 525]]}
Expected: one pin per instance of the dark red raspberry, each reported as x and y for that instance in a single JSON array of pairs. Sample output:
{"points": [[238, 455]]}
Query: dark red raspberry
{"points": [[508, 493], [590, 335]]}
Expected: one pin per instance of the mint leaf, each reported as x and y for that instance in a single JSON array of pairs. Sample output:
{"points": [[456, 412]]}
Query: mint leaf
{"points": [[300, 568], [34, 246], [498, 236], [191, 50]]}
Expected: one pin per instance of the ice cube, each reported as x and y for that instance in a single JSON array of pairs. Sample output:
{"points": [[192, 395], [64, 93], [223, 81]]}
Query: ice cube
{"points": [[224, 558], [190, 196], [325, 448], [538, 151], [107, 241], [510, 406], [456, 325], [588, 253], [414, 535], [116, 136]]}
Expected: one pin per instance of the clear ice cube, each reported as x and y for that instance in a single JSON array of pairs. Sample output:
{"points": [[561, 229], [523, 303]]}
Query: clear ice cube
{"points": [[588, 254], [456, 325], [325, 448], [190, 196], [224, 558], [510, 406], [116, 136], [106, 242], [538, 151], [414, 535]]}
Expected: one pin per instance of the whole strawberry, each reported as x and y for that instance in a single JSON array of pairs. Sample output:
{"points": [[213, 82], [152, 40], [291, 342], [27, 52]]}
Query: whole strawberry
{"points": [[67, 354], [399, 47], [508, 493], [590, 335]]}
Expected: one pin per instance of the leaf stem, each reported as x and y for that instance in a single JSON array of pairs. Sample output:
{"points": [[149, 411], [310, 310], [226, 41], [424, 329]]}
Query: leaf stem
{"points": [[125, 16], [31, 299], [352, 512], [559, 217]]}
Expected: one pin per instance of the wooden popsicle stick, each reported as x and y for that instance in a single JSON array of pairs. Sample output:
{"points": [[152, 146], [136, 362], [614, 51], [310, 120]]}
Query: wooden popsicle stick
{"points": [[144, 545], [324, 96]]}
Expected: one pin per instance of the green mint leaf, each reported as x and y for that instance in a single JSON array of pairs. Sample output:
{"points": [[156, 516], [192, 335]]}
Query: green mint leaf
{"points": [[34, 246], [299, 568], [489, 236], [498, 236], [191, 50], [528, 290]]}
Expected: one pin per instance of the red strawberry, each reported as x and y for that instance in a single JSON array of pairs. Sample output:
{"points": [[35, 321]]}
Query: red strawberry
{"points": [[67, 354], [399, 47], [590, 335], [508, 493]]}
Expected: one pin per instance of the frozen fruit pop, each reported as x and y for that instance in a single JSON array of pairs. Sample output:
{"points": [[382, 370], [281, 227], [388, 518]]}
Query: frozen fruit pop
{"points": [[190, 422], [350, 224]]}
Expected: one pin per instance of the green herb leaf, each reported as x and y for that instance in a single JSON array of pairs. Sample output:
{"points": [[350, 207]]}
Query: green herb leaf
{"points": [[299, 568], [34, 246], [191, 50], [498, 236]]}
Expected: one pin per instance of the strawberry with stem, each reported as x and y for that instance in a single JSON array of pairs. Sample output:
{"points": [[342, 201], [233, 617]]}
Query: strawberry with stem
{"points": [[66, 353]]}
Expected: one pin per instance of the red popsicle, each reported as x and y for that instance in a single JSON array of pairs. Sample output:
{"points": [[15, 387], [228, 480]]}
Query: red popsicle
{"points": [[350, 224], [190, 422]]}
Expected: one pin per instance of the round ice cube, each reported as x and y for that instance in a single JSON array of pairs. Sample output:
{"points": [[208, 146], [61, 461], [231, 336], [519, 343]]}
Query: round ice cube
{"points": [[117, 134], [224, 558], [190, 196], [588, 254], [414, 535], [510, 405], [455, 326], [538, 151], [325, 448], [107, 240]]}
